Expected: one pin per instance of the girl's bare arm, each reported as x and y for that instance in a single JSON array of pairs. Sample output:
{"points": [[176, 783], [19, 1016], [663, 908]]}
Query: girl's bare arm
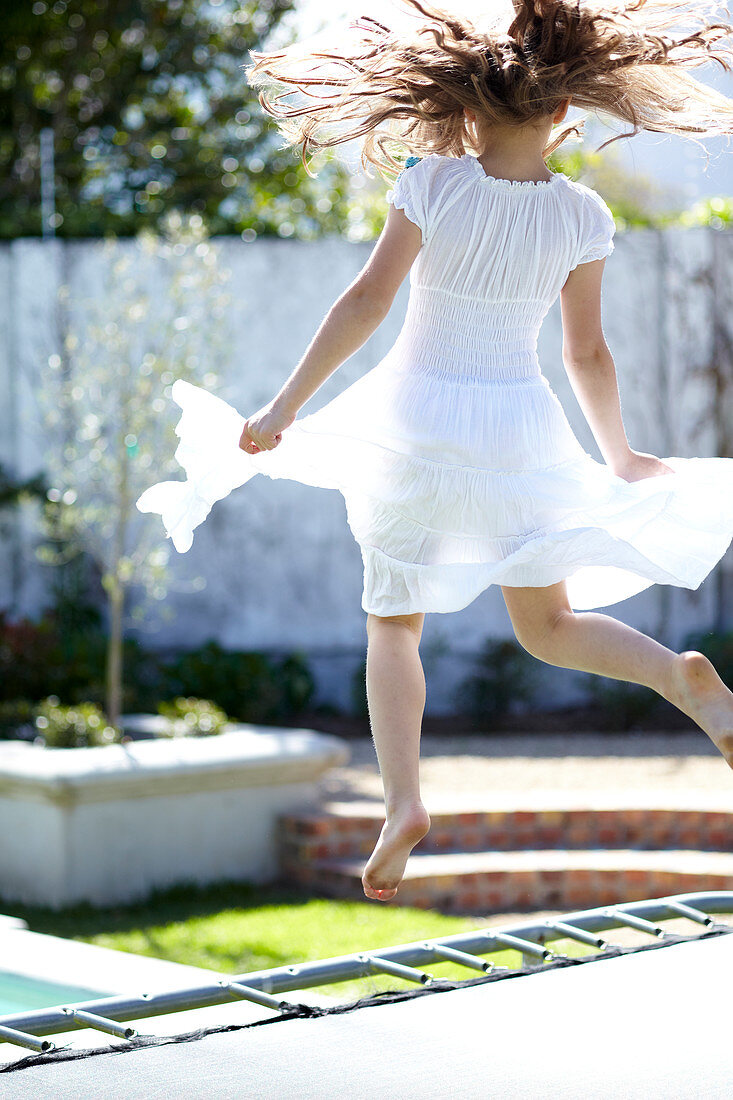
{"points": [[592, 373], [348, 324]]}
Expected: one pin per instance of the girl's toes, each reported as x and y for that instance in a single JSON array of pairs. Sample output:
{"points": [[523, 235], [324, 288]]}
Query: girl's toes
{"points": [[376, 894]]}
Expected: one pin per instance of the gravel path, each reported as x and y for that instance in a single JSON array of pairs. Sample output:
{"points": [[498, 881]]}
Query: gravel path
{"points": [[467, 765]]}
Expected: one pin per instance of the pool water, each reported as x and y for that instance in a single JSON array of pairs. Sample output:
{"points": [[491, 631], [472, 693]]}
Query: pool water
{"points": [[19, 993]]}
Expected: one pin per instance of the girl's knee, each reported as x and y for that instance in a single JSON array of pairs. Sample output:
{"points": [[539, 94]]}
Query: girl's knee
{"points": [[540, 637], [536, 613]]}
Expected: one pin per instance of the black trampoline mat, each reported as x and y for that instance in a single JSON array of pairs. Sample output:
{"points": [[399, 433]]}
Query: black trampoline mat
{"points": [[650, 1024]]}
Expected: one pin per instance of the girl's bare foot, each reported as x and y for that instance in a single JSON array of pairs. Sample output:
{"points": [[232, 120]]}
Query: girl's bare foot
{"points": [[386, 866], [699, 693]]}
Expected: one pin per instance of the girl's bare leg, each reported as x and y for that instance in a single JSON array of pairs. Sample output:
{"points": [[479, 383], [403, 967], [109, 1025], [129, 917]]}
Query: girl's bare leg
{"points": [[547, 627], [395, 684]]}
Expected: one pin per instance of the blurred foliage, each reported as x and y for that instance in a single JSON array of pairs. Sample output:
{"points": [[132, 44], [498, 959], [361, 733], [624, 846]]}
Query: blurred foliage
{"points": [[81, 726], [43, 657], [16, 720], [624, 705], [249, 686], [715, 210], [640, 201], [14, 491], [359, 701], [192, 716], [75, 585], [71, 586], [150, 110], [504, 673], [39, 658]]}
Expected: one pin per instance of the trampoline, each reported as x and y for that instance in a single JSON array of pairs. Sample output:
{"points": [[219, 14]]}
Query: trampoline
{"points": [[645, 1021]]}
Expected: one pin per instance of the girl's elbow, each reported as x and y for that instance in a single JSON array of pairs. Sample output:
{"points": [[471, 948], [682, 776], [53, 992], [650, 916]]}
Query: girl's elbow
{"points": [[369, 301], [585, 352]]}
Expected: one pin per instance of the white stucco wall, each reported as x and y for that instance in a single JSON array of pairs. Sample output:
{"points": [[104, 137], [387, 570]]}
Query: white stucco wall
{"points": [[282, 569]]}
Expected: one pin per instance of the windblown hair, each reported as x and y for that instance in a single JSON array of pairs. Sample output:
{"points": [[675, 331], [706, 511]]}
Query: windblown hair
{"points": [[399, 91]]}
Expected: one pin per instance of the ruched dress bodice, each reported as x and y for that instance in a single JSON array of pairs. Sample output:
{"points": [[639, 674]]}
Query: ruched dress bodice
{"points": [[475, 340]]}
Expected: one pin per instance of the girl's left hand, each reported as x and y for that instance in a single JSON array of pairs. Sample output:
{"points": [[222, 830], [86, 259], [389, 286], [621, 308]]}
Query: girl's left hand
{"points": [[263, 431], [638, 465]]}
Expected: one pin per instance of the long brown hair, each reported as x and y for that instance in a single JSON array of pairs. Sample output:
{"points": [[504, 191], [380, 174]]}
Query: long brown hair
{"points": [[625, 59]]}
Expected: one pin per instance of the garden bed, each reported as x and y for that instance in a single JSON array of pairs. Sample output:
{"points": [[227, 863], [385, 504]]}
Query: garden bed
{"points": [[108, 824]]}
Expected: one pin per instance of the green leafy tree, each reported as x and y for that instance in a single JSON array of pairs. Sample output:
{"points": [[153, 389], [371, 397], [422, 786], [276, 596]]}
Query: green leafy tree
{"points": [[159, 313], [150, 109]]}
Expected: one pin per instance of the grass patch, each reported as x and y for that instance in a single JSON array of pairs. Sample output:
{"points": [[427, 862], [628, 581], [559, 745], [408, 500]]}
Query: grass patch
{"points": [[235, 928]]}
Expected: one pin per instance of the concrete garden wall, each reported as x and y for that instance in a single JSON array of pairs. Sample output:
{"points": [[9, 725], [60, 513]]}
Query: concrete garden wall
{"points": [[281, 567], [110, 824]]}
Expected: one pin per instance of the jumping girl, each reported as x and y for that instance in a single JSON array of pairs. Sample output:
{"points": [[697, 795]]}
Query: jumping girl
{"points": [[456, 461]]}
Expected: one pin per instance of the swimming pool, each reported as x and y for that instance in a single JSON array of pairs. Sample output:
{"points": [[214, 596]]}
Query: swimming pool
{"points": [[20, 993]]}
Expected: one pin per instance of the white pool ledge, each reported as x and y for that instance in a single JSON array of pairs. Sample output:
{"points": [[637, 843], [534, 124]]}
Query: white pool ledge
{"points": [[113, 973], [110, 824]]}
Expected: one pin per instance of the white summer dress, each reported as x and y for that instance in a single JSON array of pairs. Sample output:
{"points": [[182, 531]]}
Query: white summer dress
{"points": [[456, 461]]}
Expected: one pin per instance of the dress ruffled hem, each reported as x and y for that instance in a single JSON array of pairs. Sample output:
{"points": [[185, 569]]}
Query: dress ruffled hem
{"points": [[575, 521], [619, 572]]}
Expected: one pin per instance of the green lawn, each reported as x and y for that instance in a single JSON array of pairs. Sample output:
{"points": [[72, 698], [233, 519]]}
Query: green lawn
{"points": [[234, 928]]}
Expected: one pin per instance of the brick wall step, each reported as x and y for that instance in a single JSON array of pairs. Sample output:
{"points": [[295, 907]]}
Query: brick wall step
{"points": [[500, 881], [428, 866], [531, 820]]}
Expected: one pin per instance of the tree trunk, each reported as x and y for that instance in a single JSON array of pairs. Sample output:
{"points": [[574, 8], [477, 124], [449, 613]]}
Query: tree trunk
{"points": [[115, 582], [115, 653]]}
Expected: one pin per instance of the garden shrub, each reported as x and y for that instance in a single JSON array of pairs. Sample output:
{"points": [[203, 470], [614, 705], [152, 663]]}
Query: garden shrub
{"points": [[41, 658], [27, 651], [296, 682], [248, 685], [624, 704], [192, 716], [16, 720], [81, 726], [359, 700], [504, 674]]}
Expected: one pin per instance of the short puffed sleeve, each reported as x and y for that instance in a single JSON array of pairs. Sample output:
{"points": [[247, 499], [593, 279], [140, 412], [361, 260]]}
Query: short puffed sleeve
{"points": [[410, 193], [597, 229]]}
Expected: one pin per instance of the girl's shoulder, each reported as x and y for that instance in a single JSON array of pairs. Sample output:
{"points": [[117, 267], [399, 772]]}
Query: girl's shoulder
{"points": [[433, 176], [595, 221], [427, 167], [587, 198], [423, 188], [426, 176]]}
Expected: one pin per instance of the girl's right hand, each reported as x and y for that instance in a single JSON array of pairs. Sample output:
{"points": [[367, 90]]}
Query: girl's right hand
{"points": [[263, 431], [638, 465]]}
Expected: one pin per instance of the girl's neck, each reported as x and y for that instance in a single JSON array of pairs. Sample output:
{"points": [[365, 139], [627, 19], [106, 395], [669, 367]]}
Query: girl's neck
{"points": [[521, 170], [515, 154]]}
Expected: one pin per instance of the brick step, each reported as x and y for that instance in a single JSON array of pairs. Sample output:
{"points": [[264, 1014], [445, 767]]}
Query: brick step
{"points": [[500, 881], [523, 820]]}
